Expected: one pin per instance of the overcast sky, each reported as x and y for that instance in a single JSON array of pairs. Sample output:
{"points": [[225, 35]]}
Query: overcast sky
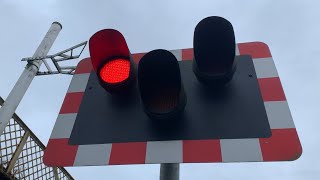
{"points": [[290, 27]]}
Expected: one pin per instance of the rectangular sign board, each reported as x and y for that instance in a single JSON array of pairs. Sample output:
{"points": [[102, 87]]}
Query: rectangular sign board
{"points": [[82, 136]]}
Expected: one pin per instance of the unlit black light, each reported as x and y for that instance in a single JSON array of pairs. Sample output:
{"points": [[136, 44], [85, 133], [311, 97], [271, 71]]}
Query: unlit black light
{"points": [[214, 51], [160, 85]]}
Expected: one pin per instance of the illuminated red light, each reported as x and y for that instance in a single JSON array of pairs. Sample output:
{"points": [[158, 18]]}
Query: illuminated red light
{"points": [[115, 71]]}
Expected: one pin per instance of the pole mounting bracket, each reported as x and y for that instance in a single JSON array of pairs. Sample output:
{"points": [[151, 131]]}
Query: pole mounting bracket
{"points": [[65, 55]]}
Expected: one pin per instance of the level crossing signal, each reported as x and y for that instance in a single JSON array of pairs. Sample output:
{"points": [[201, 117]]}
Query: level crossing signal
{"points": [[216, 102]]}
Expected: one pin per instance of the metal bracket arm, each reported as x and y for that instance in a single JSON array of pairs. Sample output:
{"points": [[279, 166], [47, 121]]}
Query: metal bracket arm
{"points": [[65, 55]]}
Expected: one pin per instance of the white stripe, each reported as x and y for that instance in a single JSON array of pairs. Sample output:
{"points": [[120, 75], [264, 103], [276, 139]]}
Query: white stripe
{"points": [[177, 53], [164, 152], [265, 68], [79, 82], [95, 154], [63, 126], [237, 50], [240, 150], [279, 115]]}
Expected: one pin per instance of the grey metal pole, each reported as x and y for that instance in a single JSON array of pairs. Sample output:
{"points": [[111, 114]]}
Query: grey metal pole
{"points": [[169, 171], [30, 71]]}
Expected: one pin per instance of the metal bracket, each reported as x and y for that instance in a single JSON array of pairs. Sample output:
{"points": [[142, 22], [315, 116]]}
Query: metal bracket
{"points": [[64, 55]]}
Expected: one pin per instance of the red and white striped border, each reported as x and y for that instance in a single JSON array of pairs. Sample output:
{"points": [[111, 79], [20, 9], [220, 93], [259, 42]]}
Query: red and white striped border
{"points": [[283, 145]]}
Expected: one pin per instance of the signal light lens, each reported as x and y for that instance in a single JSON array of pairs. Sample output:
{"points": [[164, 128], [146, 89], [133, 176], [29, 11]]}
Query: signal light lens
{"points": [[160, 85], [110, 57], [106, 44], [214, 51], [167, 100], [115, 71]]}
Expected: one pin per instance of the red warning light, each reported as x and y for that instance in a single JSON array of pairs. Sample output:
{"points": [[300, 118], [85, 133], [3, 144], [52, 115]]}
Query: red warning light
{"points": [[115, 71], [110, 57]]}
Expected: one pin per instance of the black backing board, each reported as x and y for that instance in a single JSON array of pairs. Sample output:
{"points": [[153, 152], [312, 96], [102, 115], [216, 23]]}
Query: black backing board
{"points": [[234, 112]]}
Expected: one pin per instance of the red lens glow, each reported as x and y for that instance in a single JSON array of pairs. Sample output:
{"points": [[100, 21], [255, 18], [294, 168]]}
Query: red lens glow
{"points": [[115, 71]]}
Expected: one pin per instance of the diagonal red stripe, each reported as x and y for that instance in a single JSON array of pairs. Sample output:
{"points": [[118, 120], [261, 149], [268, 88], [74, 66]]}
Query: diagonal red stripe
{"points": [[271, 89], [71, 103], [128, 153], [136, 57], [283, 145], [187, 54], [84, 66], [59, 153], [255, 49], [201, 151]]}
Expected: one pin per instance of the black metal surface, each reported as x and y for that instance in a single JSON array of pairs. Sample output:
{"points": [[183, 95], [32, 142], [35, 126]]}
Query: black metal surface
{"points": [[236, 111]]}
